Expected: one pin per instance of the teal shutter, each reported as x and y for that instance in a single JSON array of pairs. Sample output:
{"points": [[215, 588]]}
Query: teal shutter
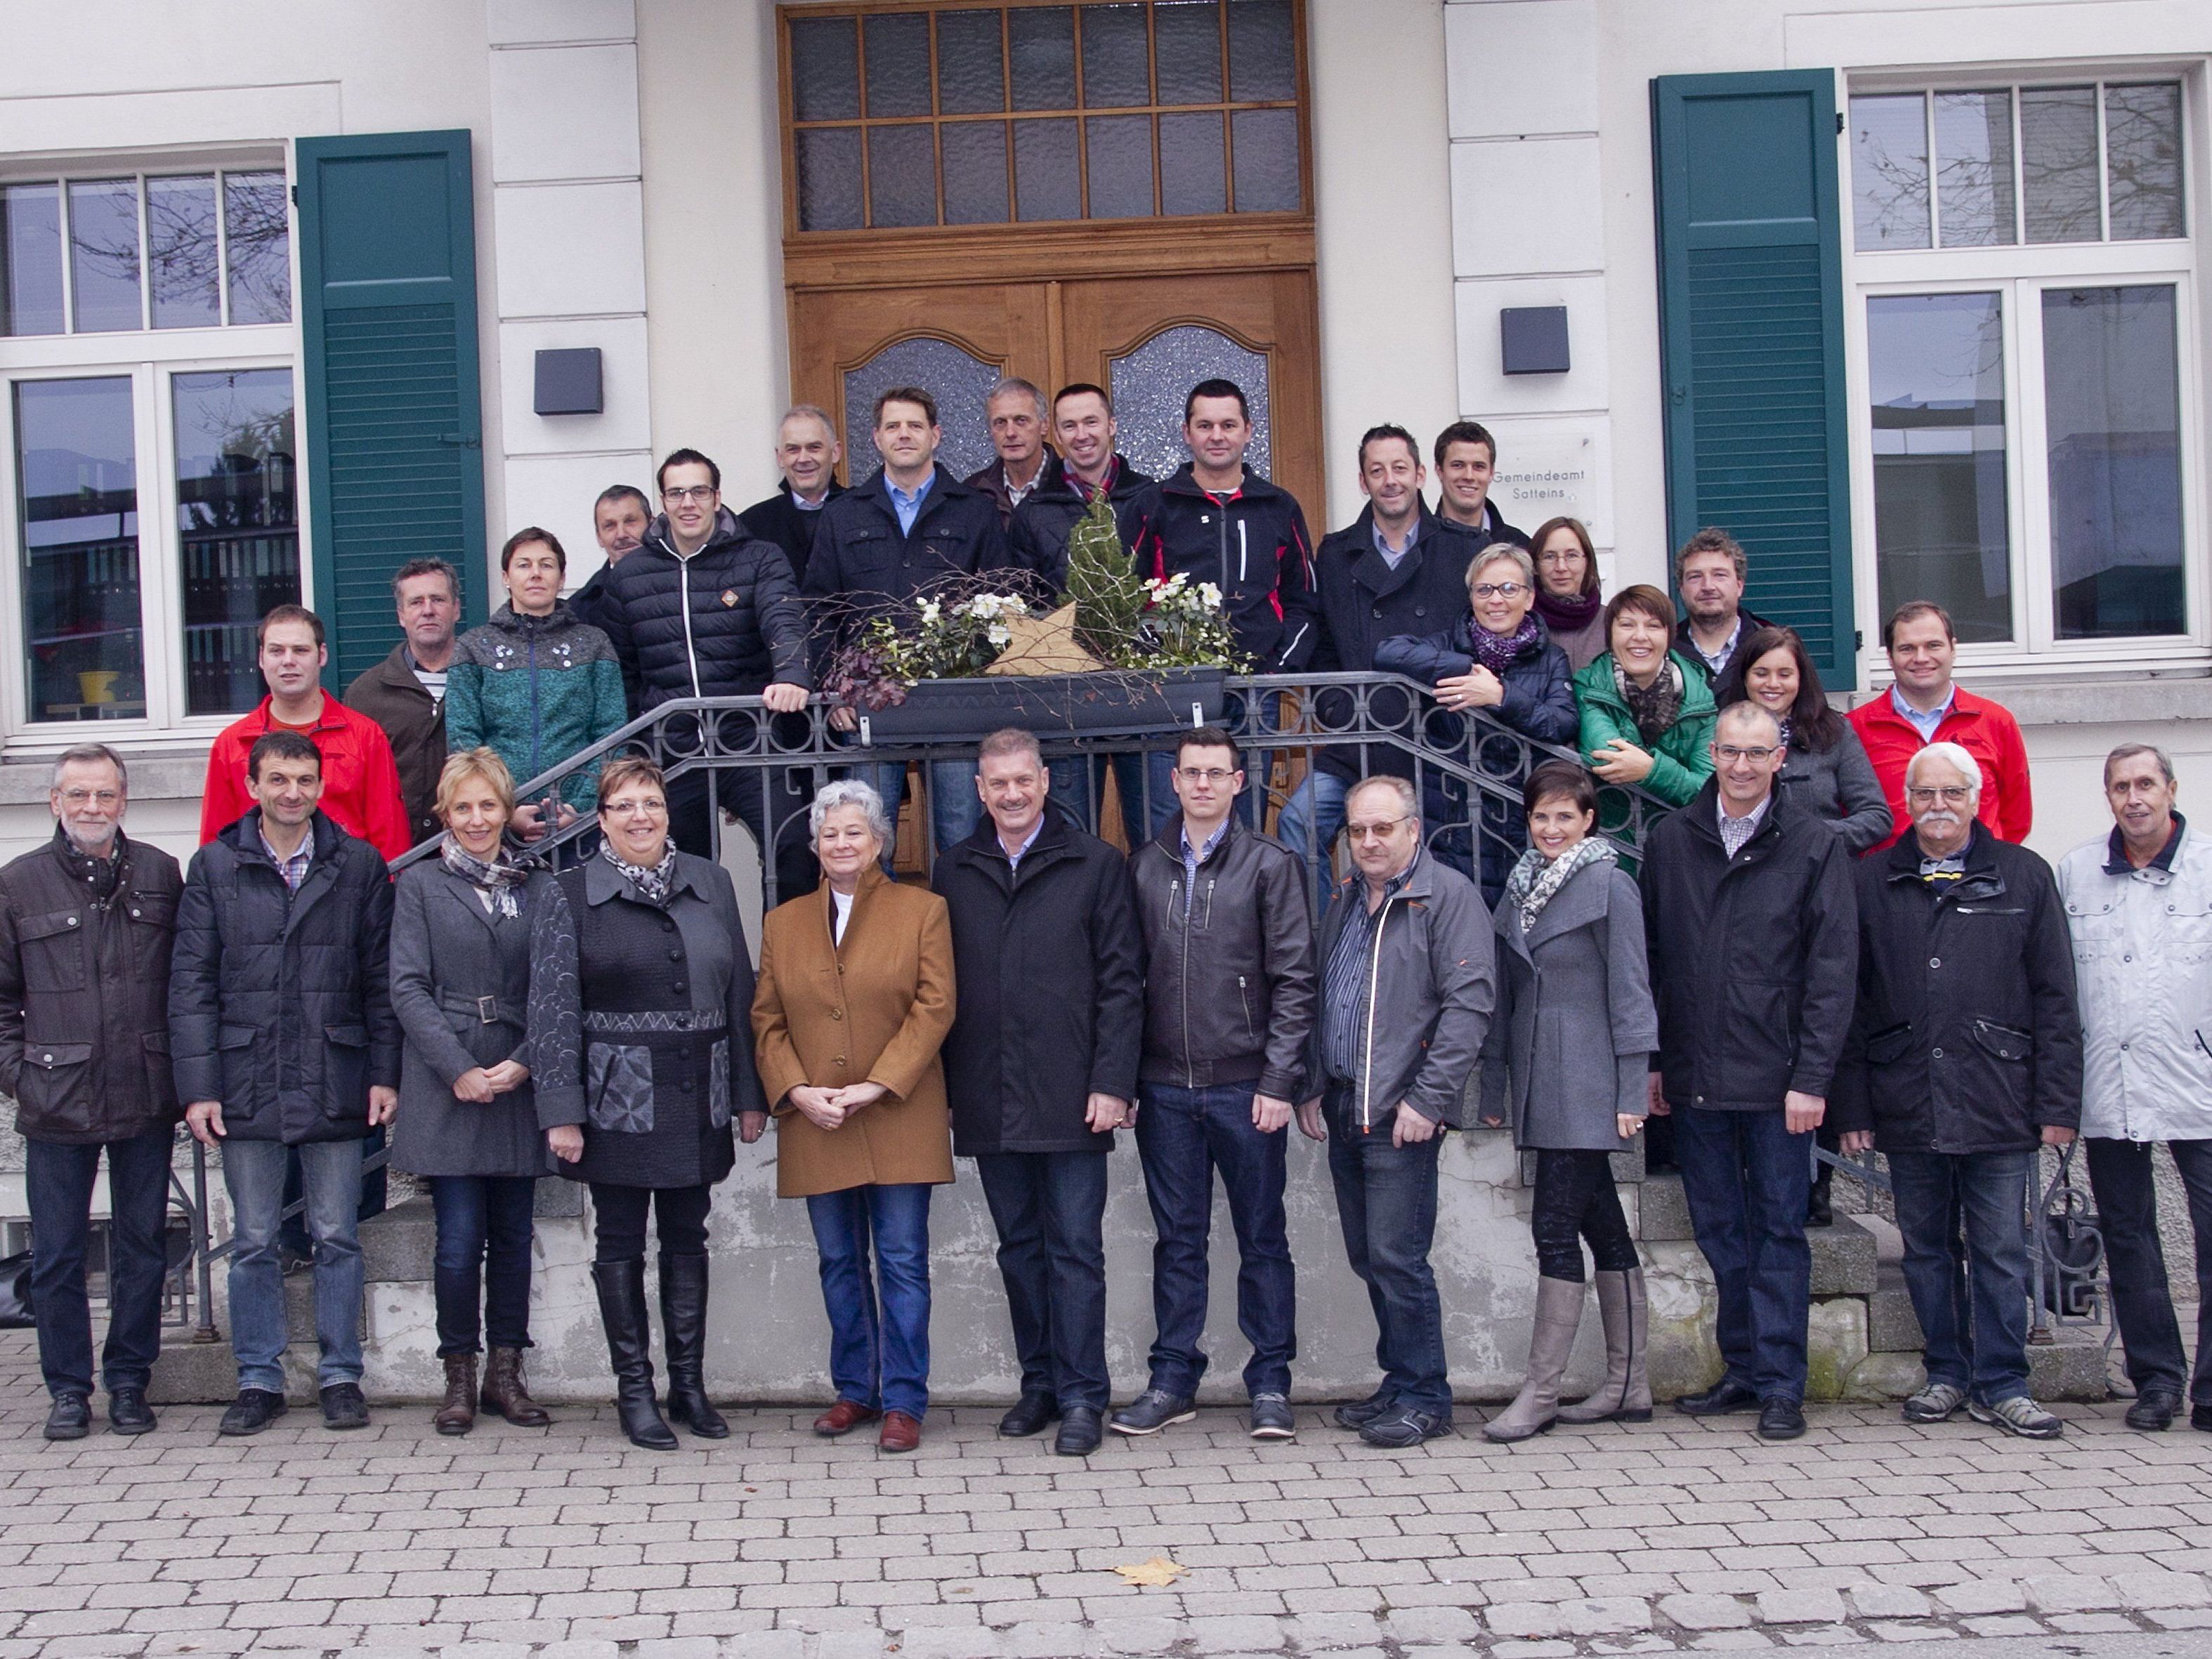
{"points": [[1750, 303], [394, 419]]}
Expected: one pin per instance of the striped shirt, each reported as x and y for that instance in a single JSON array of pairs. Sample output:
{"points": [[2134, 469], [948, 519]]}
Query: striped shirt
{"points": [[1344, 983]]}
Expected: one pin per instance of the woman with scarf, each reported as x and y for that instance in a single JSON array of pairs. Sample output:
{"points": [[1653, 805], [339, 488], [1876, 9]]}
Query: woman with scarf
{"points": [[667, 987], [1566, 1062], [1647, 714], [1567, 598], [484, 980]]}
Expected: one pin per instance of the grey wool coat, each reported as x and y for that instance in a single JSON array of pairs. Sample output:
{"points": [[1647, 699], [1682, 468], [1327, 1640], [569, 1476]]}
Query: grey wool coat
{"points": [[1571, 1046], [473, 988]]}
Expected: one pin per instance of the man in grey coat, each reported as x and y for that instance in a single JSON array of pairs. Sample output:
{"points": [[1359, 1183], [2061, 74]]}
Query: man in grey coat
{"points": [[1408, 981]]}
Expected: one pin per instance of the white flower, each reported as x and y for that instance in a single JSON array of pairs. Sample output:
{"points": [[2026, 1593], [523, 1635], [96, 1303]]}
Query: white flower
{"points": [[1210, 596], [998, 633]]}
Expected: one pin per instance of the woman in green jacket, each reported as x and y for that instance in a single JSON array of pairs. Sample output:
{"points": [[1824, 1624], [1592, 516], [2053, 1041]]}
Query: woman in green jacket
{"points": [[1647, 713]]}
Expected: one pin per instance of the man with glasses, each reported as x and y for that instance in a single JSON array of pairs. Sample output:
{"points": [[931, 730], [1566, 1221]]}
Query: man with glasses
{"points": [[86, 923], [1229, 1007], [1408, 981], [1752, 935], [1964, 1058], [1710, 571]]}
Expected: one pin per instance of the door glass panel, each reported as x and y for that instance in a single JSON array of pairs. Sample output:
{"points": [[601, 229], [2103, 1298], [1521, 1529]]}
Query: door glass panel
{"points": [[971, 67], [238, 523], [258, 233], [1149, 386], [826, 69], [828, 178], [1187, 51], [975, 172], [1974, 168], [2111, 404], [1040, 43], [1263, 63], [2142, 160], [1193, 178], [2058, 164], [104, 253], [959, 381], [1120, 149], [1114, 67], [902, 176], [30, 259], [77, 516], [1048, 179], [898, 65], [1889, 173], [1265, 145], [1936, 366], [183, 256]]}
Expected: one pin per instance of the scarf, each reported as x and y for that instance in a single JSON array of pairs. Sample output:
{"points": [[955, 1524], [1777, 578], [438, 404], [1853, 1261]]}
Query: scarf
{"points": [[1498, 652], [1536, 880], [498, 876], [656, 886], [1566, 615], [1655, 708]]}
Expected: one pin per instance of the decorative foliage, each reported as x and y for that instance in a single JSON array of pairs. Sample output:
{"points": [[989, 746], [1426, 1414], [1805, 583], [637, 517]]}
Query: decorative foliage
{"points": [[1109, 596]]}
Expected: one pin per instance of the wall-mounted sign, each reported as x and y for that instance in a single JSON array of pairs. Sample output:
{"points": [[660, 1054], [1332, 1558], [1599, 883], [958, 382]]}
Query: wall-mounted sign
{"points": [[1548, 477]]}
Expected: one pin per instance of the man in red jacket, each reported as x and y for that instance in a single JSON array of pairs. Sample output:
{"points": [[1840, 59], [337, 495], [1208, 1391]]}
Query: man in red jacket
{"points": [[1925, 707], [361, 792]]}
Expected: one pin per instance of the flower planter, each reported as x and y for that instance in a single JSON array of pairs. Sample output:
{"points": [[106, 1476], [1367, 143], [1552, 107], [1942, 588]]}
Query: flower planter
{"points": [[1110, 704]]}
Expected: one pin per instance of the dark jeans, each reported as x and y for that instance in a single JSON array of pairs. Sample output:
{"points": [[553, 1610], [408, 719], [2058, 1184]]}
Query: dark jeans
{"points": [[1747, 1179], [696, 798], [58, 1184], [1575, 1199], [1183, 1135], [879, 1316], [1386, 1200], [1078, 789], [1973, 1313], [619, 1217], [2142, 1306], [1049, 1209], [483, 1258]]}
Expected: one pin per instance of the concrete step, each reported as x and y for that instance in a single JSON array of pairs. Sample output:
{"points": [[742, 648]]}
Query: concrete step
{"points": [[1844, 1255], [1892, 1325]]}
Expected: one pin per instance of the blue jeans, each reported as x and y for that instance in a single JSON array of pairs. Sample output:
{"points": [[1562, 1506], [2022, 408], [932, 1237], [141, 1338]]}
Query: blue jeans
{"points": [[954, 805], [1078, 789], [1385, 1200], [1747, 1179], [1973, 1313], [1310, 823], [878, 1318], [1049, 1209], [254, 1171], [483, 1259], [1183, 1135], [58, 1184]]}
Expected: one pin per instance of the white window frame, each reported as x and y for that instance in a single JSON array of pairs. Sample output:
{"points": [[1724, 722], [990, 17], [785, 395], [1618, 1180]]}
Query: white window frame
{"points": [[2019, 273]]}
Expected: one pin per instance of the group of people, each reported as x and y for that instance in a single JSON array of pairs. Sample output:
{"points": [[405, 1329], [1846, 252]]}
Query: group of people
{"points": [[1836, 931]]}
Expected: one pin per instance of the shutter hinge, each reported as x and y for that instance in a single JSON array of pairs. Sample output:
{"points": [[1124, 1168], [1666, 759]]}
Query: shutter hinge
{"points": [[295, 195], [1839, 122], [1858, 639], [458, 441]]}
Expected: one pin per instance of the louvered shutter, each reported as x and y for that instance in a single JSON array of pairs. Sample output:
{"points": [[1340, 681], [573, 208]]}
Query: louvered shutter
{"points": [[1752, 323], [394, 421]]}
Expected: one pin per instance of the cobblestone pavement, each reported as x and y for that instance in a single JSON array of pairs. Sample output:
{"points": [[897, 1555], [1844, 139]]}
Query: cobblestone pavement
{"points": [[566, 1544]]}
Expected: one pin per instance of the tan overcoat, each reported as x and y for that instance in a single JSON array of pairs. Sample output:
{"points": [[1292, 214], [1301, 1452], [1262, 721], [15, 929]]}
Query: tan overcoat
{"points": [[874, 1010]]}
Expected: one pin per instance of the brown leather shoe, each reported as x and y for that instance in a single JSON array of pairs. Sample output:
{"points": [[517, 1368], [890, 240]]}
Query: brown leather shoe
{"points": [[901, 1433], [843, 1417], [505, 1392], [458, 1415]]}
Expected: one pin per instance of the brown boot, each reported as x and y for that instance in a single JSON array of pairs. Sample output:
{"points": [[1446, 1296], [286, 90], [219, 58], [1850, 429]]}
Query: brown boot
{"points": [[459, 1414], [504, 1391]]}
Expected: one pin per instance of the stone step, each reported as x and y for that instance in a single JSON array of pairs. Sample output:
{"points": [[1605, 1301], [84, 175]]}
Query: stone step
{"points": [[1892, 1325], [1844, 1255]]}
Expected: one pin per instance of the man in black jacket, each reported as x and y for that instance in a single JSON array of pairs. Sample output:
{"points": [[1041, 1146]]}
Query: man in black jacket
{"points": [[282, 1035], [619, 519], [86, 924], [1040, 1066], [1752, 936], [1466, 462], [1964, 1057], [806, 454], [1229, 1009]]}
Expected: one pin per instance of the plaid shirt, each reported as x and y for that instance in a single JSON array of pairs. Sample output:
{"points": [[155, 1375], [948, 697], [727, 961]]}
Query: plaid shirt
{"points": [[293, 869]]}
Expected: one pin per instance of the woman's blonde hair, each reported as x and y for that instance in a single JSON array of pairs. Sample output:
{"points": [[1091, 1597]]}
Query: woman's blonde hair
{"points": [[469, 763]]}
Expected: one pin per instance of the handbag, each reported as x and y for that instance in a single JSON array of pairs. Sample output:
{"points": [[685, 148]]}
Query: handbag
{"points": [[2073, 1247], [15, 1311]]}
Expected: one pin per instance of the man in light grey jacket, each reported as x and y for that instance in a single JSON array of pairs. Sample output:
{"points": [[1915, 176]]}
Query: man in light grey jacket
{"points": [[1408, 981]]}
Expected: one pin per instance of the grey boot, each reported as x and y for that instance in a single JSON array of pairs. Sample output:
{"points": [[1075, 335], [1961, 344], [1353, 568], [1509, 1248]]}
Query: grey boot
{"points": [[1625, 1396], [1536, 1408]]}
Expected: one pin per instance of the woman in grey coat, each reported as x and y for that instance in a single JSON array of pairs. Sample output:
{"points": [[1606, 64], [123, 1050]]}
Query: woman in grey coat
{"points": [[1568, 1054], [484, 980]]}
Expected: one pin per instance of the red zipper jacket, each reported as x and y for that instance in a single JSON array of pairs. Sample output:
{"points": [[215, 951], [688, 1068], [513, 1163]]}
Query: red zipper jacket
{"points": [[360, 781], [1983, 729]]}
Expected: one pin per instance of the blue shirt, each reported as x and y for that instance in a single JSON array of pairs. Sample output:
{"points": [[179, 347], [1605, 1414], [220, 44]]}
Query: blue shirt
{"points": [[1926, 725], [1391, 556], [908, 508], [1194, 856], [1014, 858]]}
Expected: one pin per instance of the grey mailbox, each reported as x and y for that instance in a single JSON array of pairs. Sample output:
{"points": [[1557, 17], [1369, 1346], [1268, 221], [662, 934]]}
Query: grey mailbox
{"points": [[569, 382], [1533, 339]]}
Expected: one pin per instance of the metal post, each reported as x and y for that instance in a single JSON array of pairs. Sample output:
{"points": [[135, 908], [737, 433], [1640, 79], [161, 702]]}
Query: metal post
{"points": [[205, 1331]]}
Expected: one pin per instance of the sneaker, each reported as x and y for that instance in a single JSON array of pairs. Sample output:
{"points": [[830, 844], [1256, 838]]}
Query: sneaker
{"points": [[1935, 1403], [1358, 1414], [2019, 1415], [254, 1410], [1152, 1411], [1272, 1418], [1405, 1428], [344, 1407]]}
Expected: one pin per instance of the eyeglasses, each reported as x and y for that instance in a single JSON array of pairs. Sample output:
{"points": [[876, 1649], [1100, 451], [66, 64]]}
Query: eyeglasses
{"points": [[701, 493], [1569, 555], [1951, 794], [86, 797], [635, 808], [1373, 831], [1205, 774], [1728, 754], [1498, 590]]}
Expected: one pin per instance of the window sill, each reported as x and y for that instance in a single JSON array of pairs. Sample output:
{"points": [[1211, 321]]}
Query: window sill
{"points": [[2120, 698], [173, 773]]}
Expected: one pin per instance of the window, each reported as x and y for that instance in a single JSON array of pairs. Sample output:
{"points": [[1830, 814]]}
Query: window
{"points": [[968, 115], [148, 456], [2025, 285]]}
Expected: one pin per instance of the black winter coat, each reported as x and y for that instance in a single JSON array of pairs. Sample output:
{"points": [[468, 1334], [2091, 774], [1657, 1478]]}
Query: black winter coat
{"points": [[1252, 545], [587, 604], [1538, 693], [84, 994], [1052, 996], [280, 1005], [1754, 959], [862, 564], [724, 622], [780, 519], [1968, 1037], [1038, 535]]}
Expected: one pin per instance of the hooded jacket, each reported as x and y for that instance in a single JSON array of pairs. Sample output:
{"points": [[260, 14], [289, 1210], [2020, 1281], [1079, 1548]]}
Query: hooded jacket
{"points": [[1038, 536], [1251, 544], [535, 690], [724, 622]]}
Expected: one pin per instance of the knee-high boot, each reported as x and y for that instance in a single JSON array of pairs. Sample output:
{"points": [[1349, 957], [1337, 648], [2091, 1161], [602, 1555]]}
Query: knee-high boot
{"points": [[1536, 1407], [621, 1285], [1625, 1396], [683, 1323]]}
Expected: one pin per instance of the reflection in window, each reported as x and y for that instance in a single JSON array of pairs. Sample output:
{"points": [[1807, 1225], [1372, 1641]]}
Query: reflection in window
{"points": [[2142, 160], [1149, 386], [30, 259], [2058, 164], [103, 254], [1936, 369], [959, 382], [258, 238], [1889, 171], [238, 523], [77, 522], [2111, 407], [1974, 168], [184, 252]]}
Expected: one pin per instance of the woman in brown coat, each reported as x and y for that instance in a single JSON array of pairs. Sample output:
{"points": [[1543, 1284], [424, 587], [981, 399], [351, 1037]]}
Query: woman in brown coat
{"points": [[853, 1000]]}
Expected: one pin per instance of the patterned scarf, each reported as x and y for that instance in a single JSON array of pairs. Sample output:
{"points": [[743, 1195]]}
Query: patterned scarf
{"points": [[1654, 708], [1497, 651], [656, 886], [1566, 615], [499, 876], [1535, 880]]}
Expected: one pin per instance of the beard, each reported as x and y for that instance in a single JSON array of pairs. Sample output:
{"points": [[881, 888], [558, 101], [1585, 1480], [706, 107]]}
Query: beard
{"points": [[88, 842]]}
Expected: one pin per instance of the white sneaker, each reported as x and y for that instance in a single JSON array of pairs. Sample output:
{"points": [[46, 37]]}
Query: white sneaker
{"points": [[1935, 1403], [2019, 1415]]}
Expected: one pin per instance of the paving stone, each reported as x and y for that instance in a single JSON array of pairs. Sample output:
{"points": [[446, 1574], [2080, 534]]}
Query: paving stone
{"points": [[677, 1647], [1533, 1651], [1801, 1607], [1641, 1642], [1706, 1611], [2089, 1624], [1731, 1641], [1981, 1596], [1044, 1641], [1606, 1615], [2160, 1589], [1821, 1636], [1890, 1630], [1888, 1601], [1524, 1619], [1317, 1632], [2180, 1617], [1229, 1634], [2006, 1624], [1423, 1627], [1145, 1634], [953, 1642], [2069, 1593]]}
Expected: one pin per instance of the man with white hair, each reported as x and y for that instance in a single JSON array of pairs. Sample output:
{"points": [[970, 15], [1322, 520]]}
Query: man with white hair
{"points": [[1964, 1057], [2137, 901], [1023, 462]]}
